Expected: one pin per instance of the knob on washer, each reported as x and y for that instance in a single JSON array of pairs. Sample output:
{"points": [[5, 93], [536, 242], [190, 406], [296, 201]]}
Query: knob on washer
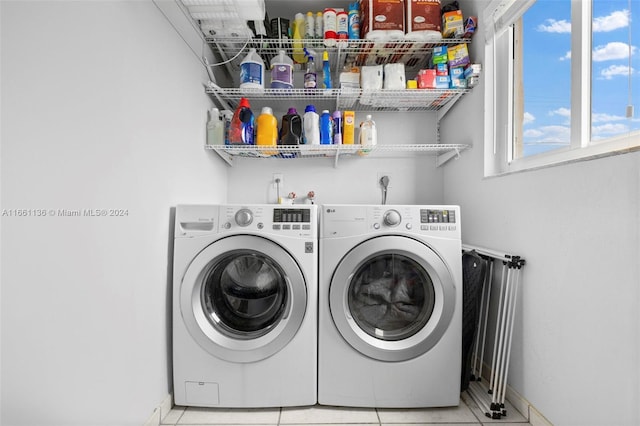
{"points": [[244, 217], [392, 218]]}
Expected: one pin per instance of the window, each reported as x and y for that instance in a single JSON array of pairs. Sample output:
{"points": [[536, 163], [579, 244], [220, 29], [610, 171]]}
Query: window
{"points": [[562, 77]]}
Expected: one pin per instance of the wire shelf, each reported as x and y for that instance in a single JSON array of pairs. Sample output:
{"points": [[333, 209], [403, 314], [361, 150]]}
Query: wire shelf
{"points": [[228, 152], [346, 99], [414, 54]]}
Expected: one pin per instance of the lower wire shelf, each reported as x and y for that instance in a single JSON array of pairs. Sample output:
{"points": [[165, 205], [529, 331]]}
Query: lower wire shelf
{"points": [[444, 152]]}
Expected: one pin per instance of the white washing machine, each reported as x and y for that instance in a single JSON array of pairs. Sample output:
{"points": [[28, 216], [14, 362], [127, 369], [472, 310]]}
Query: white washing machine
{"points": [[390, 321], [245, 306]]}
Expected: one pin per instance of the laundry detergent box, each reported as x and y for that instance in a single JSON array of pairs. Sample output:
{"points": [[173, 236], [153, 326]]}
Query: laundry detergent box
{"points": [[458, 55], [440, 55], [452, 24], [442, 69], [442, 82], [426, 79]]}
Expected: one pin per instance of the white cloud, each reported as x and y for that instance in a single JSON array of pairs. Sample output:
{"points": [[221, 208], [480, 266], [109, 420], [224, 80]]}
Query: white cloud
{"points": [[612, 51], [617, 19], [562, 112], [528, 118], [553, 26], [548, 135], [615, 70], [604, 117], [609, 129], [566, 57]]}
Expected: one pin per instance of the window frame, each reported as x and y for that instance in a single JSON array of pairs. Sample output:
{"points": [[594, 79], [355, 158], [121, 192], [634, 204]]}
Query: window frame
{"points": [[502, 130]]}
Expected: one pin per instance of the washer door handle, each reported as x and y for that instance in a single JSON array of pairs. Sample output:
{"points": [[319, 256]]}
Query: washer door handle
{"points": [[347, 311]]}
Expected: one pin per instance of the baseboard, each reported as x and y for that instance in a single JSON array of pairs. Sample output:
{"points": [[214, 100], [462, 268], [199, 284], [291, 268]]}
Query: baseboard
{"points": [[160, 412], [519, 402]]}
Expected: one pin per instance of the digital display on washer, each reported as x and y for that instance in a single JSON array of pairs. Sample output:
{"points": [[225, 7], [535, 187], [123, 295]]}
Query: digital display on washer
{"points": [[437, 216], [291, 215]]}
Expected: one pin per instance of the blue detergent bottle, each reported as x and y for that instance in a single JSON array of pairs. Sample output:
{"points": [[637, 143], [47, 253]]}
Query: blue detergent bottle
{"points": [[326, 128]]}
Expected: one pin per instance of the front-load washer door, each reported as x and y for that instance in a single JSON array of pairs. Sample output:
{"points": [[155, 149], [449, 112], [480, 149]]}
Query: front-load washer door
{"points": [[243, 298], [392, 298]]}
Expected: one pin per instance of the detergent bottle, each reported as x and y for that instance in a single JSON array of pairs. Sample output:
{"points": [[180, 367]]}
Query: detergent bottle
{"points": [[252, 71], [326, 128], [242, 123], [290, 131], [281, 71], [267, 131], [298, 34]]}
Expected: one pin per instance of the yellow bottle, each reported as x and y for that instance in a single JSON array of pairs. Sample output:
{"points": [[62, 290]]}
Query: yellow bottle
{"points": [[298, 35], [349, 128], [267, 131]]}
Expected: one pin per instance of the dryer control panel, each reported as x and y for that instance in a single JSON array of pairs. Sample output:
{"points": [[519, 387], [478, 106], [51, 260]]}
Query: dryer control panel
{"points": [[351, 220], [270, 219]]}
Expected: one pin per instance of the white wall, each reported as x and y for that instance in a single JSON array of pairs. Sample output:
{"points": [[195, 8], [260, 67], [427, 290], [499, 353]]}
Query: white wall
{"points": [[577, 345], [102, 107]]}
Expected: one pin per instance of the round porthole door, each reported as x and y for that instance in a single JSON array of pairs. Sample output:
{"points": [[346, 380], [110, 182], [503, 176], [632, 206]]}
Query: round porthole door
{"points": [[392, 298], [243, 298]]}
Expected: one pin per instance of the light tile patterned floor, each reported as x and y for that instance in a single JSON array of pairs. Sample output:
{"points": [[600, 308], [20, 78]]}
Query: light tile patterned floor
{"points": [[467, 413]]}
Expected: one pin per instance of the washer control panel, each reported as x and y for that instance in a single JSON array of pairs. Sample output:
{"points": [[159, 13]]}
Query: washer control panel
{"points": [[271, 219]]}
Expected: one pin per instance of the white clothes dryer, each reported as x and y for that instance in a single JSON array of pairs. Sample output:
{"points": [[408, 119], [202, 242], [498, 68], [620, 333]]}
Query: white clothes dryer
{"points": [[245, 305], [390, 321]]}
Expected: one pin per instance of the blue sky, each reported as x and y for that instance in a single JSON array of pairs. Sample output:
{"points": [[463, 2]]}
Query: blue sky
{"points": [[547, 53]]}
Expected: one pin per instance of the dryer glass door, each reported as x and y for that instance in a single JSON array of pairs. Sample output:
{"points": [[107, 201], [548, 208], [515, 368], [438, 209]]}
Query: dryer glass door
{"points": [[392, 298]]}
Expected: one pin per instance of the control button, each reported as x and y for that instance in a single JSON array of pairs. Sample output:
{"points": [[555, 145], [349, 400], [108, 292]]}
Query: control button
{"points": [[452, 228], [306, 227], [443, 228], [409, 226], [424, 227], [276, 226], [260, 225], [244, 217], [376, 226], [296, 227], [392, 218], [227, 225], [433, 228], [286, 227]]}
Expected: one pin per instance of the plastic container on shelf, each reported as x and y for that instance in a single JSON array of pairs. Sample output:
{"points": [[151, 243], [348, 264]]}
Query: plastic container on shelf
{"points": [[310, 74], [368, 134], [215, 128], [342, 27], [319, 26], [348, 127], [326, 71], [252, 71], [298, 35], [354, 21], [330, 25], [326, 128], [337, 127], [310, 26], [290, 131], [242, 125], [267, 131], [311, 127], [281, 71]]}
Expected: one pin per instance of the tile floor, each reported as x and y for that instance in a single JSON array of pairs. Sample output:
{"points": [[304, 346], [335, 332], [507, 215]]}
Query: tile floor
{"points": [[467, 413]]}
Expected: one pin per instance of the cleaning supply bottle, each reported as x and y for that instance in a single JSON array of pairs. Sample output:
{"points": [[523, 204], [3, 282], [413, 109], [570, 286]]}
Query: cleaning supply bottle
{"points": [[242, 123], [311, 121], [354, 21], [267, 131], [330, 24], [309, 27], [368, 134], [290, 131], [252, 71], [281, 71], [227, 116], [215, 128], [310, 75], [298, 34], [337, 128], [319, 30], [326, 128], [326, 70]]}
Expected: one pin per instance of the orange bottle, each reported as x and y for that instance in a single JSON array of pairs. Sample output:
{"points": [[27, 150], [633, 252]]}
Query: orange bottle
{"points": [[267, 131]]}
